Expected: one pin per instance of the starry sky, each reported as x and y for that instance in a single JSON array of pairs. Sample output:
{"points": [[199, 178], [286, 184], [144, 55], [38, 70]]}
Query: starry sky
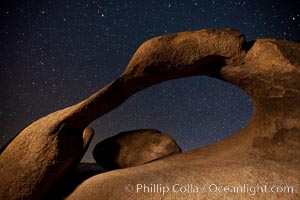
{"points": [[56, 53]]}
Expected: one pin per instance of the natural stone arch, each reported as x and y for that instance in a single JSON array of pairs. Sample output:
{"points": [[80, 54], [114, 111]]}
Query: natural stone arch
{"points": [[268, 72]]}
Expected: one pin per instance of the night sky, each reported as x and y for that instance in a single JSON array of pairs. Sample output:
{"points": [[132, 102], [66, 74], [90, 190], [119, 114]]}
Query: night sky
{"points": [[56, 53]]}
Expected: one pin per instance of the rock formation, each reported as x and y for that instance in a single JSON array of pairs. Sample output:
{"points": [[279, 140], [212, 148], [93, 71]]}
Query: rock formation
{"points": [[133, 148], [265, 153]]}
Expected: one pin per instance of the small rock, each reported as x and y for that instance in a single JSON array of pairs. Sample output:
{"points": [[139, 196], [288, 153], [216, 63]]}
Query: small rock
{"points": [[133, 148]]}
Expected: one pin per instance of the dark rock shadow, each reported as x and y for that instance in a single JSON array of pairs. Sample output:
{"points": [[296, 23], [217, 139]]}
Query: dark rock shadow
{"points": [[105, 153], [68, 182]]}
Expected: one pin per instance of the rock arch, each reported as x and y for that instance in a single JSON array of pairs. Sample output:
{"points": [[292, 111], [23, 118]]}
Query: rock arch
{"points": [[267, 70]]}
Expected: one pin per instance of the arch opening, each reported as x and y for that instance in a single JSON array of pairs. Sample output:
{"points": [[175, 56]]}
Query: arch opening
{"points": [[195, 111]]}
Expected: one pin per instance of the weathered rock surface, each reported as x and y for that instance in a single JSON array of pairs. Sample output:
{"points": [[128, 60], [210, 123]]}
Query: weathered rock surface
{"points": [[133, 148], [34, 161], [265, 153]]}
